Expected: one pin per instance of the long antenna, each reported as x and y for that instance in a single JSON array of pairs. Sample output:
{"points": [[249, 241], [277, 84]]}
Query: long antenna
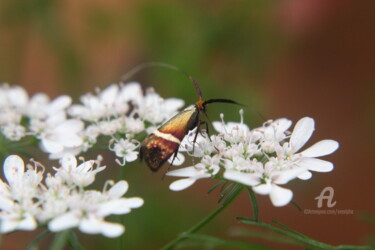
{"points": [[236, 103], [143, 66]]}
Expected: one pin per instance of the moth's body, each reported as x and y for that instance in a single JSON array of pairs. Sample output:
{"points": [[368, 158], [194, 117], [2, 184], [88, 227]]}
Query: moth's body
{"points": [[164, 141]]}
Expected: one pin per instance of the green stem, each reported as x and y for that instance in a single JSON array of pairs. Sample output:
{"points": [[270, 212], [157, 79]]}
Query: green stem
{"points": [[296, 236], [36, 240], [200, 224], [254, 203], [121, 244], [60, 240]]}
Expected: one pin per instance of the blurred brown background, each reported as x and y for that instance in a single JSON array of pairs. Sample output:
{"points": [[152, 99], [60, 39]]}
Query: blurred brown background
{"points": [[290, 58]]}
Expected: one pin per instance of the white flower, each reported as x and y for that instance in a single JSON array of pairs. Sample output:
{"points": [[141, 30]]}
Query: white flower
{"points": [[263, 158], [62, 202], [233, 132], [272, 133], [13, 97], [87, 211], [208, 167], [16, 200], [40, 107], [155, 109], [105, 104], [307, 158], [13, 132], [126, 150], [81, 175], [57, 133], [13, 217]]}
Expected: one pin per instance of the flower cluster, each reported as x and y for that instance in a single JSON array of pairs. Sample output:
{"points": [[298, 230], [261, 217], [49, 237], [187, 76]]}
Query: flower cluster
{"points": [[117, 114], [62, 200], [262, 158]]}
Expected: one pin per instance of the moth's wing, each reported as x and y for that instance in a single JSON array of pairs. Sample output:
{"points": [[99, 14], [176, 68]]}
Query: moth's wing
{"points": [[180, 124], [156, 151]]}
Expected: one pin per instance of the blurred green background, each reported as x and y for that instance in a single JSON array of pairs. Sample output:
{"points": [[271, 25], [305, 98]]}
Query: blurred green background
{"points": [[289, 58]]}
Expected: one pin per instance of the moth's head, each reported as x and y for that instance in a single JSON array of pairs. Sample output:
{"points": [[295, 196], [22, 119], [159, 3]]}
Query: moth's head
{"points": [[201, 105]]}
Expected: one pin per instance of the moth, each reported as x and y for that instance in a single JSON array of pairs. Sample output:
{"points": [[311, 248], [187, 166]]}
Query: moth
{"points": [[164, 142]]}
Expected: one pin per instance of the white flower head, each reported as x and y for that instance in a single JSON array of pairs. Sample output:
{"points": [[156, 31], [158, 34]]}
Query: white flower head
{"points": [[263, 158], [307, 158], [125, 149], [88, 210], [209, 166], [62, 201], [81, 175]]}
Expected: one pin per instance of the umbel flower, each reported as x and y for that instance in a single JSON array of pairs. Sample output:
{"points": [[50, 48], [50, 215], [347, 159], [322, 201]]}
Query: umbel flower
{"points": [[262, 158], [116, 115], [62, 201]]}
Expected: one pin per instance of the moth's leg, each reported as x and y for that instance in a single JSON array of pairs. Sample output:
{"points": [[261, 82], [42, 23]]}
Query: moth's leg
{"points": [[170, 165], [196, 133], [208, 132]]}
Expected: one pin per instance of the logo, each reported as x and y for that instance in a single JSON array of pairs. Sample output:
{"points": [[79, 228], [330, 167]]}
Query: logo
{"points": [[326, 194], [326, 197]]}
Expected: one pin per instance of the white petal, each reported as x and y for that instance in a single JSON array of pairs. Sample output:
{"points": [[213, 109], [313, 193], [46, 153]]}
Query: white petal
{"points": [[18, 96], [263, 189], [118, 206], [108, 95], [302, 133], [131, 156], [283, 124], [90, 225], [112, 230], [283, 177], [13, 168], [52, 146], [316, 164], [59, 104], [184, 172], [244, 178], [118, 190], [64, 221], [321, 148], [28, 223], [94, 226], [178, 161], [68, 162], [218, 126], [56, 118], [305, 175], [70, 126], [181, 184], [6, 204], [134, 202], [280, 196], [77, 110], [7, 225], [131, 91]]}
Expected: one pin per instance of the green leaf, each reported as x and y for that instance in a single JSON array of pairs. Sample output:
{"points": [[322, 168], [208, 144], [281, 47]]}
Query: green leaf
{"points": [[264, 235], [216, 185], [296, 205], [289, 229], [225, 192], [298, 237], [254, 203], [74, 242], [234, 192], [60, 240], [34, 243]]}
